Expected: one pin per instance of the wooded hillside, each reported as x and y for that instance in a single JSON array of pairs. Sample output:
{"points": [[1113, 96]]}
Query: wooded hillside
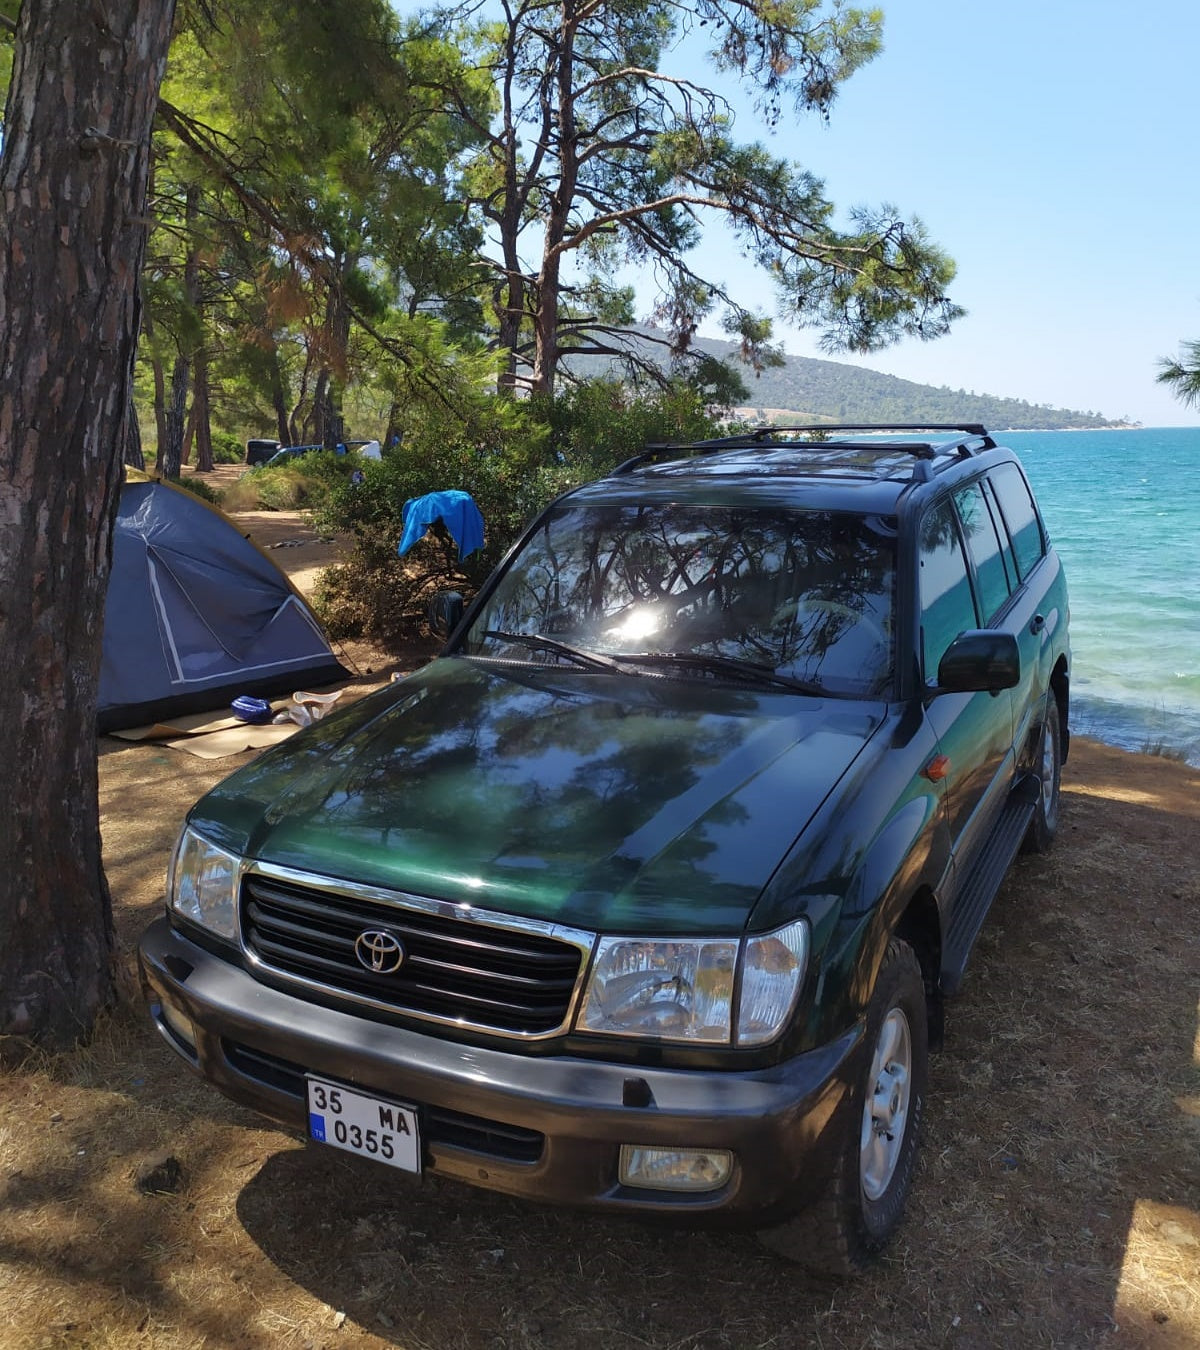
{"points": [[839, 392]]}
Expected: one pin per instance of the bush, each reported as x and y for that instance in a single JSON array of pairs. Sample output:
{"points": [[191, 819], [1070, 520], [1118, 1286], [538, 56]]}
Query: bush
{"points": [[302, 483], [226, 448], [198, 488], [513, 458]]}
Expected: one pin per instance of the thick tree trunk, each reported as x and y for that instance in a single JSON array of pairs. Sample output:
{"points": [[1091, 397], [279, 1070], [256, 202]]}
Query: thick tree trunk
{"points": [[72, 195]]}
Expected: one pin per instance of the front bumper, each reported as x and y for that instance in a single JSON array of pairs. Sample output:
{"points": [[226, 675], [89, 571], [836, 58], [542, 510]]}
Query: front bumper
{"points": [[545, 1127]]}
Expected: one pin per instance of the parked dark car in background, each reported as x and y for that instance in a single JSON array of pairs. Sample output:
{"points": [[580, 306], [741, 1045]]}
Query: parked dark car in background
{"points": [[259, 451], [648, 894]]}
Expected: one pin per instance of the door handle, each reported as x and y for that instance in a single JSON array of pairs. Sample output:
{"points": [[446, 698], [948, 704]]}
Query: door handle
{"points": [[1038, 623]]}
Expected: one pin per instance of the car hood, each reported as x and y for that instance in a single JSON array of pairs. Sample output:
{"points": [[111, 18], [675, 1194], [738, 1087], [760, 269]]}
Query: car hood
{"points": [[619, 802]]}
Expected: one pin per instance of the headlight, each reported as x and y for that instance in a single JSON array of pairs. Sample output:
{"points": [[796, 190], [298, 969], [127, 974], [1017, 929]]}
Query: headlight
{"points": [[773, 967], [679, 990], [682, 989], [202, 884]]}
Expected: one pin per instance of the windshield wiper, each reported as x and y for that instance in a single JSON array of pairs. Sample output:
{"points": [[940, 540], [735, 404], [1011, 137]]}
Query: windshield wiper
{"points": [[589, 660], [749, 671]]}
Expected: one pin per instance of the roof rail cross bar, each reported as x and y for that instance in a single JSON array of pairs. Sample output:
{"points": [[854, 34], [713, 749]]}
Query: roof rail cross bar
{"points": [[971, 428], [763, 439]]}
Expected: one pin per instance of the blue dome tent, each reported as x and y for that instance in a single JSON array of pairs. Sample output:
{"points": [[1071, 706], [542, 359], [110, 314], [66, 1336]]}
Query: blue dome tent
{"points": [[197, 614]]}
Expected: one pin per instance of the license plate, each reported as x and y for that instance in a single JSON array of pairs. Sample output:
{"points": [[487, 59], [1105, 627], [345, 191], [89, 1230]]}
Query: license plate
{"points": [[358, 1123]]}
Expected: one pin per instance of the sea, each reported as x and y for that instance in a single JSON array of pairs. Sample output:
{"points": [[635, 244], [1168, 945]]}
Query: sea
{"points": [[1123, 510]]}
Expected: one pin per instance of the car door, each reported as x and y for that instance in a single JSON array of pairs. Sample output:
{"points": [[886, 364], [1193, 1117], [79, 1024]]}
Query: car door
{"points": [[974, 730], [1034, 615]]}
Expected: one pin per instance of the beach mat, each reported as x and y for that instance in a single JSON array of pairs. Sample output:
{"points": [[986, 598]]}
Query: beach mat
{"points": [[210, 737]]}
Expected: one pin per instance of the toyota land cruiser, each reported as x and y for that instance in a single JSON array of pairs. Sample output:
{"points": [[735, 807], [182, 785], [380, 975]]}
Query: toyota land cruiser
{"points": [[648, 892]]}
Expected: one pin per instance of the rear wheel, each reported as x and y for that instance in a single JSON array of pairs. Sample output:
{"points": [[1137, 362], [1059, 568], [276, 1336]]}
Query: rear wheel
{"points": [[865, 1201], [1044, 825]]}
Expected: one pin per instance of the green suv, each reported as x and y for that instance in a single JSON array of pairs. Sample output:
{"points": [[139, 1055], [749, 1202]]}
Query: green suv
{"points": [[647, 893]]}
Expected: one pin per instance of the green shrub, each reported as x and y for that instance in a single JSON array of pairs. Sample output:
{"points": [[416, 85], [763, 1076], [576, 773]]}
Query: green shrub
{"points": [[513, 458], [296, 484], [198, 488], [226, 448]]}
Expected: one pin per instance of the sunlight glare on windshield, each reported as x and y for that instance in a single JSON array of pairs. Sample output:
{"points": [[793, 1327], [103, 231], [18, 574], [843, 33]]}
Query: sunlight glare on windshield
{"points": [[640, 622]]}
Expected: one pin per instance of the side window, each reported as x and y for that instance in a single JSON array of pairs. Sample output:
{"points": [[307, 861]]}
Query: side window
{"points": [[947, 603], [984, 548], [1020, 515], [1006, 549]]}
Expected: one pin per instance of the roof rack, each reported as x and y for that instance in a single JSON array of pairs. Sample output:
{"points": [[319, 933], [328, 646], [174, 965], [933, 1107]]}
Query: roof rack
{"points": [[765, 438]]}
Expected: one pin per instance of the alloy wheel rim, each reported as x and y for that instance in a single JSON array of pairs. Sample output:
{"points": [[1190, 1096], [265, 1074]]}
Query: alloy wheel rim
{"points": [[885, 1112]]}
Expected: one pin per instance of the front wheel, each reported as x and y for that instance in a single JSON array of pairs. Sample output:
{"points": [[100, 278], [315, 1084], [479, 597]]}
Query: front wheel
{"points": [[1044, 825], [865, 1201]]}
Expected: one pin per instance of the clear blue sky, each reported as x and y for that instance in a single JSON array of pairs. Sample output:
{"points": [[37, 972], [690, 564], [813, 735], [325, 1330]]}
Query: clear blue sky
{"points": [[1047, 145]]}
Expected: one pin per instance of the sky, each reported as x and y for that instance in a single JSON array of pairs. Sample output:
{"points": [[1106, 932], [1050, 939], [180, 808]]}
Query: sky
{"points": [[1046, 145]]}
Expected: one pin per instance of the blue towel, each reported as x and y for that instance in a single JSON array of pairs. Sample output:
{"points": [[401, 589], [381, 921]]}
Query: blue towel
{"points": [[456, 510]]}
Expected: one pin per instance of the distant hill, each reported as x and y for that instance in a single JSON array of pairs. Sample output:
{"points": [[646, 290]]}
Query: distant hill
{"points": [[808, 389]]}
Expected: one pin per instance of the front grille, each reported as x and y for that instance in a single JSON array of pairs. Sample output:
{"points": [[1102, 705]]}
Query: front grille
{"points": [[510, 1143], [462, 972]]}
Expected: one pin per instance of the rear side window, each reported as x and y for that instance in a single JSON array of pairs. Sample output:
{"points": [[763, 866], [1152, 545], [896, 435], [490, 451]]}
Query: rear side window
{"points": [[1020, 515], [984, 548], [947, 603], [1006, 552]]}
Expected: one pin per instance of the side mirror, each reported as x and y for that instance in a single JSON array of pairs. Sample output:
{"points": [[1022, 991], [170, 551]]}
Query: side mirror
{"points": [[979, 660], [445, 612]]}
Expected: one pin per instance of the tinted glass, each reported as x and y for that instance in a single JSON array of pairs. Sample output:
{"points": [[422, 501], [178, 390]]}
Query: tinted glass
{"points": [[984, 549], [807, 594], [1006, 550], [1020, 515], [947, 603]]}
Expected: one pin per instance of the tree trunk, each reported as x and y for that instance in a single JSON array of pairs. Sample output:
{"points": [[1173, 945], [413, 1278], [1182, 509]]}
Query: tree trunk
{"points": [[298, 423], [133, 439], [508, 298], [72, 194], [200, 415], [545, 319], [327, 400], [392, 436], [189, 434], [314, 423], [170, 453], [278, 399], [160, 389]]}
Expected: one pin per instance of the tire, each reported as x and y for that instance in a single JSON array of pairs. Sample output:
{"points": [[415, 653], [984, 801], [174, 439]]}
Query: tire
{"points": [[1044, 825], [864, 1204]]}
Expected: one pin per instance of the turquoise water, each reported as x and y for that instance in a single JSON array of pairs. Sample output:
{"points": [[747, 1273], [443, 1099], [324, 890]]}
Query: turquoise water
{"points": [[1123, 509]]}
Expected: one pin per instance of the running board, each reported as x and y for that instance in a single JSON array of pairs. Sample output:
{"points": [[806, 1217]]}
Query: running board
{"points": [[980, 888]]}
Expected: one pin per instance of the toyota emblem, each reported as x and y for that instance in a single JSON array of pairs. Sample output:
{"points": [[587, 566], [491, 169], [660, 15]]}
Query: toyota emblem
{"points": [[379, 951]]}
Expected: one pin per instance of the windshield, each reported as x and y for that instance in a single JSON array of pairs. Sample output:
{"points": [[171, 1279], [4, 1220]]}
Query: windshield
{"points": [[806, 595]]}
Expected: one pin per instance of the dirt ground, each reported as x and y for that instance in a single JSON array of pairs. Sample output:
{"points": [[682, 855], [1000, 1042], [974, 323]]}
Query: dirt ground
{"points": [[1057, 1200]]}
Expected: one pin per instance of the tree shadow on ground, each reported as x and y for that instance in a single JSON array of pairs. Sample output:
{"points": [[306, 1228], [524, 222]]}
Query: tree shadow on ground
{"points": [[1058, 1196], [1056, 1201]]}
